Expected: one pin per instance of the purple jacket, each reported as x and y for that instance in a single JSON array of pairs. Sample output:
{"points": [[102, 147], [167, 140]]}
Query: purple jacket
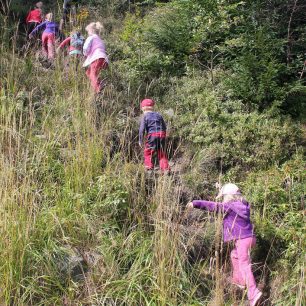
{"points": [[151, 122], [48, 27], [236, 219]]}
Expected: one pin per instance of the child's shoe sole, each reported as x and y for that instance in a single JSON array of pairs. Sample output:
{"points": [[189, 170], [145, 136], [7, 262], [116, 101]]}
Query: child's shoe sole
{"points": [[239, 286], [256, 300]]}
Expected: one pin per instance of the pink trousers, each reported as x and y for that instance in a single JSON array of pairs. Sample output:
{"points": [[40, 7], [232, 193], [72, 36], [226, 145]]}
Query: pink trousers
{"points": [[93, 73], [242, 269], [48, 45]]}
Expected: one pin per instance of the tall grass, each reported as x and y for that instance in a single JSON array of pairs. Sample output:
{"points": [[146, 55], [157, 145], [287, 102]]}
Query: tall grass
{"points": [[66, 181], [71, 177]]}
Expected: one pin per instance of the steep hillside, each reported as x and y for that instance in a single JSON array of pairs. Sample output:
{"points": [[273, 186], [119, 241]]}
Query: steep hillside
{"points": [[82, 223]]}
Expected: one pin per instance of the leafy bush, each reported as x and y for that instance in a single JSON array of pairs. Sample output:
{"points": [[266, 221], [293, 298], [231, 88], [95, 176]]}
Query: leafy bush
{"points": [[107, 197], [210, 120]]}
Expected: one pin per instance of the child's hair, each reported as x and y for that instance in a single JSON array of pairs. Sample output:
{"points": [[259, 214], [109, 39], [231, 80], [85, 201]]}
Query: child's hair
{"points": [[232, 197], [49, 16], [147, 108], [39, 4], [95, 27], [75, 31]]}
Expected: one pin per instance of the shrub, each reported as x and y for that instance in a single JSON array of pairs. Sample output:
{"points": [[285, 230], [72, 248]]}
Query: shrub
{"points": [[211, 121]]}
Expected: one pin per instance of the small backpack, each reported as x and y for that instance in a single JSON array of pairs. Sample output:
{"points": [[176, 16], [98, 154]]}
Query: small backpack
{"points": [[77, 40]]}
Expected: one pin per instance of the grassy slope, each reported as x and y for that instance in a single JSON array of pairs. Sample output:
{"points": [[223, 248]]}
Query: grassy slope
{"points": [[71, 177]]}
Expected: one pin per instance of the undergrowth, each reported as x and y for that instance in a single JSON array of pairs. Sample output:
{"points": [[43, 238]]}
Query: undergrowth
{"points": [[72, 182]]}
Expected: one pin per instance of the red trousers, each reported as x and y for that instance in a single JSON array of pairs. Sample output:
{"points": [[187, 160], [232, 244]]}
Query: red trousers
{"points": [[48, 45], [155, 144], [93, 72]]}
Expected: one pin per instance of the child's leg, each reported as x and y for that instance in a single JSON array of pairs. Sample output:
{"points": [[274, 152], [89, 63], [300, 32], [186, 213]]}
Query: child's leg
{"points": [[243, 251], [51, 45], [163, 160], [44, 41], [95, 68], [161, 154], [94, 75], [148, 155], [88, 72], [236, 277]]}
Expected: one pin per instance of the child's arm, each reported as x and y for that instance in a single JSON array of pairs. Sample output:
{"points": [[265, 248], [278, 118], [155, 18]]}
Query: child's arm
{"points": [[209, 205], [87, 45], [241, 209], [64, 42], [141, 130], [164, 126], [206, 205], [40, 26], [28, 16]]}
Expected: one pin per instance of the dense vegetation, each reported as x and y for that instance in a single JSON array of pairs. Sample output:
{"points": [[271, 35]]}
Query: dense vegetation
{"points": [[229, 77]]}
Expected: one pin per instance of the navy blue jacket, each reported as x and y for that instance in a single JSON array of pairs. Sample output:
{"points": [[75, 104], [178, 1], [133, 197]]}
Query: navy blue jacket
{"points": [[151, 122]]}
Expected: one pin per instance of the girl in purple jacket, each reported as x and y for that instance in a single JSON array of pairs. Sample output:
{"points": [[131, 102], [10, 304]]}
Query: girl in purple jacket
{"points": [[50, 33], [237, 227]]}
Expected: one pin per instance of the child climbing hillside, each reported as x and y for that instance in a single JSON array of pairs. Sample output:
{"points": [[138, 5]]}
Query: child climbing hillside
{"points": [[237, 227], [75, 42], [69, 10], [34, 17], [153, 125], [50, 33], [96, 57]]}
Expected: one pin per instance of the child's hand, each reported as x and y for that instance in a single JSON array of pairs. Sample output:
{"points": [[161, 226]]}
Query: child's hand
{"points": [[30, 36], [189, 205], [140, 144]]}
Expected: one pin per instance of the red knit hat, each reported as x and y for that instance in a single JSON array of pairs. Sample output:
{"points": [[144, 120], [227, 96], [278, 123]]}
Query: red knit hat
{"points": [[147, 103]]}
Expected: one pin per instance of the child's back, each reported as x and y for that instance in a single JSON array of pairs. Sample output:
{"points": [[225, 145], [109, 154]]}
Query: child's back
{"points": [[154, 122]]}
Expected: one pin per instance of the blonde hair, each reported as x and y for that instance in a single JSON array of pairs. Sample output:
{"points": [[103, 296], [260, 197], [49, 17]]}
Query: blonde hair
{"points": [[95, 27], [49, 16], [232, 197], [74, 31], [147, 108]]}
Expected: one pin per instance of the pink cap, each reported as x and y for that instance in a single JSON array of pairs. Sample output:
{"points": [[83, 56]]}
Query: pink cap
{"points": [[229, 188], [147, 103]]}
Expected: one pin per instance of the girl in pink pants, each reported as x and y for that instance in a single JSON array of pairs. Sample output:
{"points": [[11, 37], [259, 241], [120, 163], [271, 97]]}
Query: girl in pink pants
{"points": [[96, 57], [237, 227], [50, 31], [48, 43]]}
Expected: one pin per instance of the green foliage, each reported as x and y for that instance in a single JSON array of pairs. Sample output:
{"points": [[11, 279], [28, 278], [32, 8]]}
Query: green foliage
{"points": [[108, 197], [225, 75], [240, 138], [206, 34], [295, 103]]}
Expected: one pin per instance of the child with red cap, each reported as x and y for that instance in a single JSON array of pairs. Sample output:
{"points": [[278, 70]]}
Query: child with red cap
{"points": [[237, 227], [153, 125]]}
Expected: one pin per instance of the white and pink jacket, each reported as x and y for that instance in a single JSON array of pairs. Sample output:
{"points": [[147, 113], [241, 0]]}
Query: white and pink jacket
{"points": [[93, 49]]}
